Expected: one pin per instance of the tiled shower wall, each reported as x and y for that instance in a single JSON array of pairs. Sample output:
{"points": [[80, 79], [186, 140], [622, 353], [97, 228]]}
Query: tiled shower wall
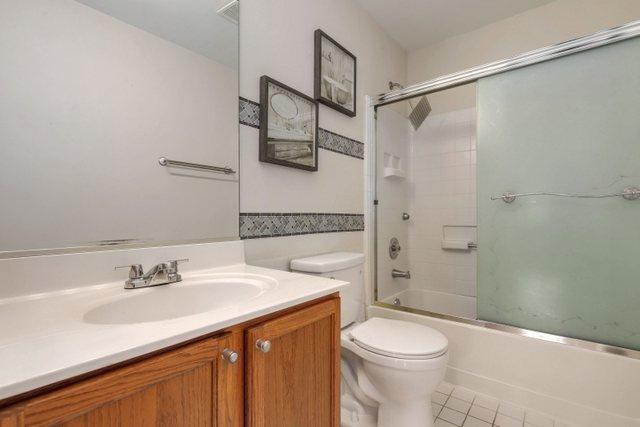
{"points": [[443, 193], [393, 198]]}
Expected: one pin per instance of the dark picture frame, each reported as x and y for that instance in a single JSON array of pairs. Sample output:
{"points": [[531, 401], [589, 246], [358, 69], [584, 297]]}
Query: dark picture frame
{"points": [[332, 85], [288, 126]]}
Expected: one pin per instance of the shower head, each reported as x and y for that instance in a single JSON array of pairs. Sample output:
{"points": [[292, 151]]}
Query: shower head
{"points": [[418, 113]]}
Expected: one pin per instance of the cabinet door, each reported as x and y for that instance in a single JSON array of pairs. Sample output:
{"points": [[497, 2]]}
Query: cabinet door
{"points": [[294, 378], [176, 388]]}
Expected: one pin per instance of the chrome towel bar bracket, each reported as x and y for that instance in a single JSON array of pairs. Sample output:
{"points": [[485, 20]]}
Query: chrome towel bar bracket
{"points": [[163, 161]]}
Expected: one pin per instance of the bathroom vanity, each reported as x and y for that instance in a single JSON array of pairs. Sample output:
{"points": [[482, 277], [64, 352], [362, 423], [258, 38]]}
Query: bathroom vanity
{"points": [[204, 351], [280, 367]]}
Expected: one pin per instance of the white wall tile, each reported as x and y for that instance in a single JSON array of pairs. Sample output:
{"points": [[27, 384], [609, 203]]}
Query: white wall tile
{"points": [[443, 193], [393, 196]]}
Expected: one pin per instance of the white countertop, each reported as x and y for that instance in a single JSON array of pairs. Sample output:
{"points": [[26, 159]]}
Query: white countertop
{"points": [[44, 339]]}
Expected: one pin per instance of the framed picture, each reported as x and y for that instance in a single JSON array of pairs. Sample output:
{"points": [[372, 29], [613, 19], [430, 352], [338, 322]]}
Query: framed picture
{"points": [[288, 126], [335, 75]]}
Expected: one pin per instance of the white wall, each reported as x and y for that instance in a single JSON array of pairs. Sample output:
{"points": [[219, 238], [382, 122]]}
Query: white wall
{"points": [[552, 23], [443, 183], [277, 40], [87, 105]]}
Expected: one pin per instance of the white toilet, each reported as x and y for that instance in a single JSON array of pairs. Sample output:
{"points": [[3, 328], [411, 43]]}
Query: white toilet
{"points": [[389, 365]]}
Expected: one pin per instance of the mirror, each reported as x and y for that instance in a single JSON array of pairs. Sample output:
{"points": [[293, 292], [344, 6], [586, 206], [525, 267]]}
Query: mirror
{"points": [[92, 94]]}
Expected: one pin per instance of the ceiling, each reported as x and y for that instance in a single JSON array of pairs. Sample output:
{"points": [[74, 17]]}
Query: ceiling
{"points": [[419, 23], [192, 24]]}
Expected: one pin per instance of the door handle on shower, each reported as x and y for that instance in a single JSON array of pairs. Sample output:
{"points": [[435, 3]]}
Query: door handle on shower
{"points": [[399, 273]]}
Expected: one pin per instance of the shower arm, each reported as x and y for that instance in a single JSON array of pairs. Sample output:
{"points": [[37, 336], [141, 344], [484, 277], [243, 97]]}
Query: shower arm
{"points": [[394, 86]]}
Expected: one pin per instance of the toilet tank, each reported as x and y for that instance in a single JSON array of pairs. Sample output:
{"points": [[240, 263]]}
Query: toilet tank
{"points": [[345, 266]]}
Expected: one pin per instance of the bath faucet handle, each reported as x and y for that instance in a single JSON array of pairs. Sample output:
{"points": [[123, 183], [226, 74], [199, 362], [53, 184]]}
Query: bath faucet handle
{"points": [[135, 270]]}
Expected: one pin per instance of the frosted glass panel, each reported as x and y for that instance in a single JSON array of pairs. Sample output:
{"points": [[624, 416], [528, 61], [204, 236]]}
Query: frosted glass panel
{"points": [[565, 266]]}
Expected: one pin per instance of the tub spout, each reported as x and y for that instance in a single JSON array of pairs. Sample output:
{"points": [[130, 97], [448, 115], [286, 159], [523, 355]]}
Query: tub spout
{"points": [[403, 274]]}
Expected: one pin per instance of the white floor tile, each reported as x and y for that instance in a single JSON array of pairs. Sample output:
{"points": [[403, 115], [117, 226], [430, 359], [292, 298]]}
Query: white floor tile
{"points": [[474, 422], [455, 406], [537, 419], [436, 409], [486, 402], [463, 394], [511, 411], [458, 404], [504, 421], [445, 388], [439, 398], [452, 416], [482, 413]]}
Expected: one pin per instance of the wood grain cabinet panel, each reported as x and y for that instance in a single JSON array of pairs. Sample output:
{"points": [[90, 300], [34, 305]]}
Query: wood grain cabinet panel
{"points": [[176, 388], [297, 381]]}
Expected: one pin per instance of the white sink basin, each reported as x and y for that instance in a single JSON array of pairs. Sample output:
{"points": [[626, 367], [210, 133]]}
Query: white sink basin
{"points": [[194, 295]]}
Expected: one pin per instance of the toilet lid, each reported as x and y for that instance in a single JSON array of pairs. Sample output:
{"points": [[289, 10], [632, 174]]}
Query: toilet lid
{"points": [[396, 338]]}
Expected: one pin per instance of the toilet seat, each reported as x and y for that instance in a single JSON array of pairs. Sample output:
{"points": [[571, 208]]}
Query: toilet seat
{"points": [[399, 339], [433, 361]]}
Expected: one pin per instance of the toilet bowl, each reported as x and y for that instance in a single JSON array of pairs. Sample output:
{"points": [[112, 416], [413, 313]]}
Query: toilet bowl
{"points": [[389, 365], [401, 365]]}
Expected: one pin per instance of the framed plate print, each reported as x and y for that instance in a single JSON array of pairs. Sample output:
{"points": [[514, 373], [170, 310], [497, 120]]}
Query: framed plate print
{"points": [[288, 126], [335, 75]]}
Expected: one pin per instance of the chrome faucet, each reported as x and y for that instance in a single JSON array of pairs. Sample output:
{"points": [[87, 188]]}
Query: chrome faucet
{"points": [[161, 274]]}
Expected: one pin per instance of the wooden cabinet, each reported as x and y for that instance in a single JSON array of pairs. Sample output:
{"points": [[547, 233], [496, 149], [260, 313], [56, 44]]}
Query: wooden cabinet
{"points": [[174, 388], [295, 383], [293, 369]]}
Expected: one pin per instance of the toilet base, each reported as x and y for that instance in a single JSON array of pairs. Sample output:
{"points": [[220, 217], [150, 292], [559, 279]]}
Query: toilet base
{"points": [[406, 414]]}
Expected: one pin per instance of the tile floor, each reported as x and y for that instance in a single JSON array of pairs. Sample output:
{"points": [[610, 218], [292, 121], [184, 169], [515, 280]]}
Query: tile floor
{"points": [[455, 406]]}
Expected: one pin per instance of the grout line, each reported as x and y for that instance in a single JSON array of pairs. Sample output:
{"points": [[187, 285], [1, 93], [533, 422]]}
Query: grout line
{"points": [[469, 410], [496, 415]]}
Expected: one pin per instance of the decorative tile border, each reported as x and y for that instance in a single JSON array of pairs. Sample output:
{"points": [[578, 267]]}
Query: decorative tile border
{"points": [[331, 141], [257, 225], [340, 144], [249, 113]]}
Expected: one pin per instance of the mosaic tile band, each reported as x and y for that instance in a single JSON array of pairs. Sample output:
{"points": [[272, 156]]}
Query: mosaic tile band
{"points": [[331, 141], [249, 113], [257, 225], [340, 144]]}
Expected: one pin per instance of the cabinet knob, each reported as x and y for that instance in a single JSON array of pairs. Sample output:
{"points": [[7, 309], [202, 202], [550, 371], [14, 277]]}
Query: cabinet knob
{"points": [[263, 345], [230, 355]]}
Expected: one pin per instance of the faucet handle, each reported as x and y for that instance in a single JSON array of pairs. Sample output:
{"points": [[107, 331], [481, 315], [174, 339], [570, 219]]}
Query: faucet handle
{"points": [[135, 270], [174, 262]]}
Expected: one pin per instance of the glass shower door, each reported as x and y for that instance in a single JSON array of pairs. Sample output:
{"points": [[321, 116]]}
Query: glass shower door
{"points": [[564, 265]]}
